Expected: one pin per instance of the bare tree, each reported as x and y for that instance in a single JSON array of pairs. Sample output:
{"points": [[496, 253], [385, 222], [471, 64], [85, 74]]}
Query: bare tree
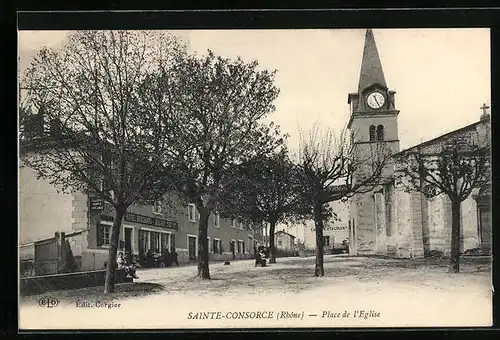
{"points": [[224, 102], [266, 190], [460, 164], [334, 168], [111, 100]]}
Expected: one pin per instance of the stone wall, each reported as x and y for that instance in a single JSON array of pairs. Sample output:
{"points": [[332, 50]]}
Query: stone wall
{"points": [[436, 219], [365, 225], [469, 220], [94, 259], [417, 249], [79, 211], [404, 221], [391, 220], [380, 220], [42, 209]]}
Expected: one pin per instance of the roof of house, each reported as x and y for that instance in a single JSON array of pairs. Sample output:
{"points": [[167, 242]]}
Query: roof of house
{"points": [[50, 239], [284, 232]]}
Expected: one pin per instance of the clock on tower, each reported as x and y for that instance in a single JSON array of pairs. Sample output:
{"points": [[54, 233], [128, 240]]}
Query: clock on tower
{"points": [[373, 112]]}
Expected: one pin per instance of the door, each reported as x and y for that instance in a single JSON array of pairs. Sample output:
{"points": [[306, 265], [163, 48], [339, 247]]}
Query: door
{"points": [[485, 227], [128, 243], [192, 247], [142, 242], [232, 249], [172, 243]]}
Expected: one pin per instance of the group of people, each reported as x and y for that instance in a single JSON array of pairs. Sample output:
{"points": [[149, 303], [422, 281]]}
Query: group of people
{"points": [[126, 263], [170, 258]]}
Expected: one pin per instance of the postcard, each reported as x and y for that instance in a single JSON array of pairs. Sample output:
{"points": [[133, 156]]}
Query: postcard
{"points": [[188, 179]]}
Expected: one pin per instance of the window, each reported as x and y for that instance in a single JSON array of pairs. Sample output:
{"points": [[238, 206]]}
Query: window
{"points": [[172, 243], [241, 225], [155, 241], [430, 191], [326, 241], [241, 246], [216, 220], [233, 223], [192, 212], [372, 133], [216, 246], [164, 241], [388, 210], [280, 243], [485, 190], [157, 206], [104, 234], [380, 133]]}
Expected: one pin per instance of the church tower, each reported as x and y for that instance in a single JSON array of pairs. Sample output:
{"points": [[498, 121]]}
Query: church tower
{"points": [[373, 120]]}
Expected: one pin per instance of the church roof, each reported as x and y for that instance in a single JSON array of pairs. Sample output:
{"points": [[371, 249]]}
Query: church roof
{"points": [[371, 67], [437, 139]]}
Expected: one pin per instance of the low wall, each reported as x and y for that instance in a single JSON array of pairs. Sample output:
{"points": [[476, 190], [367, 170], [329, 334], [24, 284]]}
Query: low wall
{"points": [[94, 259], [183, 257], [41, 284]]}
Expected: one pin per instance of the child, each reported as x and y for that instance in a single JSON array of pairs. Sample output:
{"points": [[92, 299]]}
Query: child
{"points": [[122, 264]]}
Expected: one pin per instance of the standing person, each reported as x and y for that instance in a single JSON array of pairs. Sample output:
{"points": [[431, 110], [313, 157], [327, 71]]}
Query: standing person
{"points": [[166, 258], [175, 258], [149, 258]]}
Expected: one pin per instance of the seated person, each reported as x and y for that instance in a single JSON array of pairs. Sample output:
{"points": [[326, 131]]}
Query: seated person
{"points": [[122, 264], [260, 259]]}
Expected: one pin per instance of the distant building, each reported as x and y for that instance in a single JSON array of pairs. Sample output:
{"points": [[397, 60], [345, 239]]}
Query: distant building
{"points": [[390, 220], [335, 231], [284, 240], [86, 223]]}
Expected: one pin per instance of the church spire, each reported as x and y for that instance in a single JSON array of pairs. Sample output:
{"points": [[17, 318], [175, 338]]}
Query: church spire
{"points": [[371, 68]]}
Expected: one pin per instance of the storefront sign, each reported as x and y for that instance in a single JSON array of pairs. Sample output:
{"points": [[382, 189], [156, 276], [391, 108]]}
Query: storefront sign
{"points": [[96, 204], [154, 221], [334, 228]]}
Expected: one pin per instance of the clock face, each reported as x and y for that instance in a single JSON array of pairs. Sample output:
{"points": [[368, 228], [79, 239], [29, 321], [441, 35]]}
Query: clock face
{"points": [[375, 100]]}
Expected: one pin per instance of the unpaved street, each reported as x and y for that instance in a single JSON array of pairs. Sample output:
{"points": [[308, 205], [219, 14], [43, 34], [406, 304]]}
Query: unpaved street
{"points": [[355, 292]]}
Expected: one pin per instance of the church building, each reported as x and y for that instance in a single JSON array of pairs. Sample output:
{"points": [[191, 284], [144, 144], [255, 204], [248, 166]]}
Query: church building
{"points": [[391, 221]]}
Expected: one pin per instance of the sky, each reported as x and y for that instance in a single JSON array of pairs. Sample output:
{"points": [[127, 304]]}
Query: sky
{"points": [[441, 76]]}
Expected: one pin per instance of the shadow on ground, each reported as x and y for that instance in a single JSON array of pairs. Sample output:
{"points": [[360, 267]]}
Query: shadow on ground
{"points": [[122, 291], [297, 274], [292, 275]]}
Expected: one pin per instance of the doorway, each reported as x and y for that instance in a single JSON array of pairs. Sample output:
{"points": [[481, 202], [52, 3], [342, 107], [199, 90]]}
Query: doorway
{"points": [[485, 227], [192, 247], [128, 244], [232, 248], [483, 201]]}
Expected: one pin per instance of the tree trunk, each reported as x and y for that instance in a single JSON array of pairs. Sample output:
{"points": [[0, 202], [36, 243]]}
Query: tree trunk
{"points": [[455, 237], [203, 270], [318, 222], [109, 284], [272, 253]]}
